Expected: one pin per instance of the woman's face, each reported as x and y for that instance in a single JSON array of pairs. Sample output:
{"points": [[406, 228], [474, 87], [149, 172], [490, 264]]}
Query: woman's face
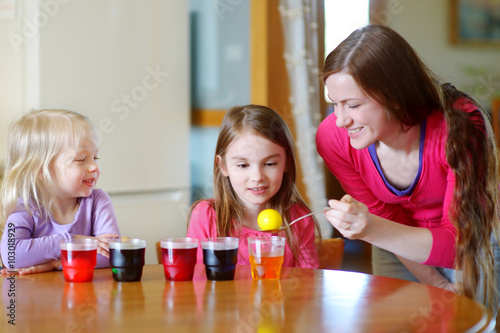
{"points": [[365, 121]]}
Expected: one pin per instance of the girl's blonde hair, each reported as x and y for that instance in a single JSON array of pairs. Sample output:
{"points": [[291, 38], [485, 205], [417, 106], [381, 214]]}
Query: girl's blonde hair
{"points": [[264, 122], [34, 142]]}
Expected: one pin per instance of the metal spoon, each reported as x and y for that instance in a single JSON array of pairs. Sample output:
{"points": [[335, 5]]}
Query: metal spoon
{"points": [[293, 222]]}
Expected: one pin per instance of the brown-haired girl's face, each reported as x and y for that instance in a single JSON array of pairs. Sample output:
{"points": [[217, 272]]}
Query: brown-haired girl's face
{"points": [[365, 121], [255, 167]]}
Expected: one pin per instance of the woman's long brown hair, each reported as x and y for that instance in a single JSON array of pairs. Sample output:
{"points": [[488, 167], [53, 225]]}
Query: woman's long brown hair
{"points": [[264, 122], [388, 69]]}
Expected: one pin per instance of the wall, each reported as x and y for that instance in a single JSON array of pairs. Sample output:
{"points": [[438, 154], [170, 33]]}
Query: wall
{"points": [[11, 102], [257, 72], [220, 53], [220, 77], [426, 25]]}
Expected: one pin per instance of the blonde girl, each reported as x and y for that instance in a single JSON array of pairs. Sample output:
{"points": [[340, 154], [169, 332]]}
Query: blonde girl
{"points": [[48, 191]]}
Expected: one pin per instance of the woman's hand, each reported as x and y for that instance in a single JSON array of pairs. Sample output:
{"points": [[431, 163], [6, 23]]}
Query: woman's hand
{"points": [[428, 275], [445, 284], [354, 221], [349, 217], [46, 267]]}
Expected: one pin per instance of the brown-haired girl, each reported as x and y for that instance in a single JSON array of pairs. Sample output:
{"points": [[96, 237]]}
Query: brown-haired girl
{"points": [[418, 162], [254, 169]]}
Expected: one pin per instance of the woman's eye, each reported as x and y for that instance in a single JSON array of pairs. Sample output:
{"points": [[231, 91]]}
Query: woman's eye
{"points": [[242, 165], [353, 106], [271, 163]]}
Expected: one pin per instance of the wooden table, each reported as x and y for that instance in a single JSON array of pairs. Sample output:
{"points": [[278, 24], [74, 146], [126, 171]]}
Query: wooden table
{"points": [[304, 300]]}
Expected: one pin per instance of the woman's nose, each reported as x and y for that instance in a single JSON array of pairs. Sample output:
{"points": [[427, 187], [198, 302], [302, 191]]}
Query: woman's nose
{"points": [[342, 117]]}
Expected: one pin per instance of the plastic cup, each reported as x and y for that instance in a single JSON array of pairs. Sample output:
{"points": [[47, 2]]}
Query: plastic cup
{"points": [[178, 256], [266, 256], [220, 255], [126, 257], [79, 257]]}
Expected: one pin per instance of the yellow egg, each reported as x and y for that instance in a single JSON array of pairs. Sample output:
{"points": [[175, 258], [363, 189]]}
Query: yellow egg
{"points": [[269, 219], [269, 328]]}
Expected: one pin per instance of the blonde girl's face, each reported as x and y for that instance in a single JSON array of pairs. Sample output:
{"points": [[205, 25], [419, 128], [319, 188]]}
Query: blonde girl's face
{"points": [[255, 167], [77, 178]]}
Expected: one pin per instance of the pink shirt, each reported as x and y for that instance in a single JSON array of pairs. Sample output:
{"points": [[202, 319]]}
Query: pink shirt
{"points": [[202, 225], [427, 206]]}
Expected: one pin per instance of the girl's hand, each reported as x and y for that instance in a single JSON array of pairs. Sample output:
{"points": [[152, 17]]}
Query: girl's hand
{"points": [[349, 217], [102, 246], [46, 267]]}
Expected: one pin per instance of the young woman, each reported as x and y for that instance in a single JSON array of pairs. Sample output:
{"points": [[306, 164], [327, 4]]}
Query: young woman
{"points": [[418, 162]]}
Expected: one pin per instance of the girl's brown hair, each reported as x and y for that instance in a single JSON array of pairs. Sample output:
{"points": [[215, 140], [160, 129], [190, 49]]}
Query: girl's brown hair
{"points": [[264, 122], [388, 70]]}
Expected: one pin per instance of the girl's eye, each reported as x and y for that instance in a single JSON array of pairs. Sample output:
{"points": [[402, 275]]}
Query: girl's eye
{"points": [[353, 106], [242, 165], [271, 163]]}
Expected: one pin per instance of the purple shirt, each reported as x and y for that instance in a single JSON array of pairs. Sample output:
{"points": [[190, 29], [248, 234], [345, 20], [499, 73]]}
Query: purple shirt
{"points": [[37, 238]]}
